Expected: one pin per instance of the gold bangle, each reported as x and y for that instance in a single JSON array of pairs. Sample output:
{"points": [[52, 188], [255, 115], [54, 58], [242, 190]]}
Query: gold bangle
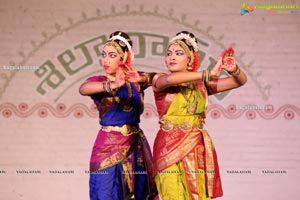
{"points": [[237, 72], [202, 77], [103, 86], [106, 86]]}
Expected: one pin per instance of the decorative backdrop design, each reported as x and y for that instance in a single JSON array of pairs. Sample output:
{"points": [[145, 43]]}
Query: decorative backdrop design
{"points": [[45, 125], [79, 110]]}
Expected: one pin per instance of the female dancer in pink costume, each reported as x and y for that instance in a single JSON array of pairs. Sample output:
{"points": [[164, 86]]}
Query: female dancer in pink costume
{"points": [[185, 160]]}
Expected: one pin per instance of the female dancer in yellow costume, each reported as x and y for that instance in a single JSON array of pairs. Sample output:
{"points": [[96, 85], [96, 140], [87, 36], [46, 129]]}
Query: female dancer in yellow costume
{"points": [[185, 161]]}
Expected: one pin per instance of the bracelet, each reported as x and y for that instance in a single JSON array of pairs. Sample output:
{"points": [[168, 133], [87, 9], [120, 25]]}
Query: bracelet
{"points": [[146, 80], [236, 72], [106, 87], [103, 86], [202, 77], [206, 75]]}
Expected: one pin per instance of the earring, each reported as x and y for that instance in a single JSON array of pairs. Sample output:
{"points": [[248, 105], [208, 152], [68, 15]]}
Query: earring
{"points": [[189, 68]]}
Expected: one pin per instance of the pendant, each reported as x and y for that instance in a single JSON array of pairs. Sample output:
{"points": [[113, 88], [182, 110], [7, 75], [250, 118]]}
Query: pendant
{"points": [[127, 108], [192, 108]]}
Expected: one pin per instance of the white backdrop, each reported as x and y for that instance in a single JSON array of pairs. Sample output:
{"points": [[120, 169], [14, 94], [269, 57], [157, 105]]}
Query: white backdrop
{"points": [[47, 129]]}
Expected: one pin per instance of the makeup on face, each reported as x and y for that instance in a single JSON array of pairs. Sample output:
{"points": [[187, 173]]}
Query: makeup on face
{"points": [[176, 58], [110, 59]]}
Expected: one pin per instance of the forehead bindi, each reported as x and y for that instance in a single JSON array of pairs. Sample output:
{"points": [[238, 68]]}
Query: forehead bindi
{"points": [[175, 47], [110, 49]]}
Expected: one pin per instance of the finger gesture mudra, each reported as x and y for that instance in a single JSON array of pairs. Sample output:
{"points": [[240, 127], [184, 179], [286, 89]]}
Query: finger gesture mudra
{"points": [[228, 61]]}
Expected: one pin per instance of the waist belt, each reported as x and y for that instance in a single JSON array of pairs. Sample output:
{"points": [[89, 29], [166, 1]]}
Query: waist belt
{"points": [[186, 126], [125, 129]]}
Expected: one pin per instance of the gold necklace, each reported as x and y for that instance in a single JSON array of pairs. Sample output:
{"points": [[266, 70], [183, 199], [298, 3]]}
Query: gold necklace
{"points": [[126, 106], [110, 77], [192, 106]]}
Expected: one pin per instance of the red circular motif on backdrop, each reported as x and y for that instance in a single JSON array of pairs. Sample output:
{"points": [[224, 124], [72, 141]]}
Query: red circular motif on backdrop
{"points": [[6, 113], [289, 115], [93, 108], [231, 108], [78, 113], [42, 112], [215, 114], [147, 113], [23, 106], [250, 114], [61, 107]]}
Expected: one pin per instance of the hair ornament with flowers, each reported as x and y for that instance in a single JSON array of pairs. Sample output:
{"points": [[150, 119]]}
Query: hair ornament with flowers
{"points": [[188, 38], [118, 37], [196, 61]]}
